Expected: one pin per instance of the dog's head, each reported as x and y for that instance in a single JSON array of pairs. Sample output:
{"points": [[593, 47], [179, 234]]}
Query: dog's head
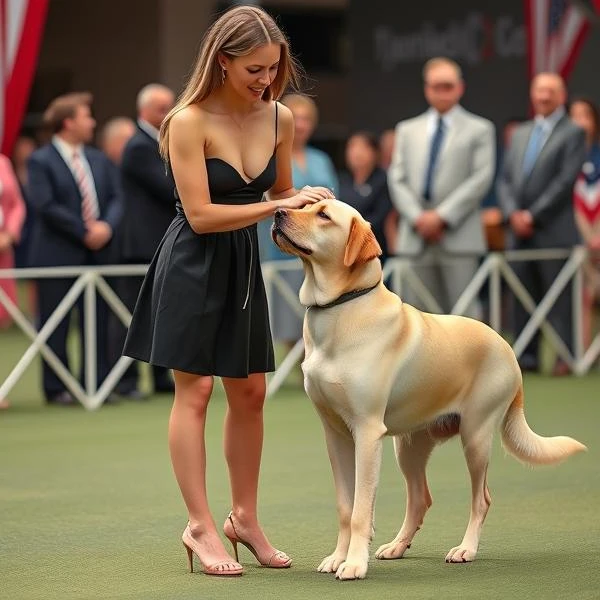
{"points": [[327, 232], [337, 246]]}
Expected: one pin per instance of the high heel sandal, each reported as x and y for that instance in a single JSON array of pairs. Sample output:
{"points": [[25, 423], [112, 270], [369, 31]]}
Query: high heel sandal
{"points": [[234, 538], [191, 546]]}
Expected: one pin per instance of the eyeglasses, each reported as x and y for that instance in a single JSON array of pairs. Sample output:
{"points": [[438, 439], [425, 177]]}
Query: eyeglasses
{"points": [[441, 86]]}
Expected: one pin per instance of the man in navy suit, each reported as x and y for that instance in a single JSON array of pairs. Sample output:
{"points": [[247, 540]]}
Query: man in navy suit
{"points": [[149, 208], [76, 196]]}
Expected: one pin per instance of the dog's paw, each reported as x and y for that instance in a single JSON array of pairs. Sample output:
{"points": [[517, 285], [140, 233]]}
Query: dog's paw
{"points": [[461, 554], [352, 570], [331, 563], [392, 550]]}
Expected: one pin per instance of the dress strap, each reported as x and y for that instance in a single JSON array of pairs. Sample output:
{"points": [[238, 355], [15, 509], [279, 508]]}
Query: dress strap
{"points": [[276, 122]]}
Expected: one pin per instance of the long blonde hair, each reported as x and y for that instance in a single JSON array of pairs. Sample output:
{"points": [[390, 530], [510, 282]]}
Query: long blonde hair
{"points": [[238, 32]]}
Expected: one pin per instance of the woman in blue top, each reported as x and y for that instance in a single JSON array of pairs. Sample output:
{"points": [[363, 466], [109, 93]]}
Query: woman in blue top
{"points": [[311, 167]]}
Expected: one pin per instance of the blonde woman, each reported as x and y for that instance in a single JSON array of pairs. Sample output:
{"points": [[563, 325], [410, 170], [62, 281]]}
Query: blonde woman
{"points": [[202, 308]]}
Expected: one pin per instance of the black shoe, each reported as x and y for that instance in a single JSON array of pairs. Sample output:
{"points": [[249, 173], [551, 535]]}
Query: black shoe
{"points": [[62, 399]]}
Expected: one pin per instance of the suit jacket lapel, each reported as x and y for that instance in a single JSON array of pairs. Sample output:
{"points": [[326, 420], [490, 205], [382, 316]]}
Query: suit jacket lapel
{"points": [[96, 172], [63, 169], [455, 125], [520, 151], [553, 139], [420, 147]]}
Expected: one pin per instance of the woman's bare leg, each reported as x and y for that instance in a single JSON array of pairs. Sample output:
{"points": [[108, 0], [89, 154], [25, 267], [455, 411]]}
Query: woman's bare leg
{"points": [[243, 449], [188, 456]]}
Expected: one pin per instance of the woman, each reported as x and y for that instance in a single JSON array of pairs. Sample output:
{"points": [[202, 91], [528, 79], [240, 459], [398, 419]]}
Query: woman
{"points": [[24, 147], [12, 215], [202, 308], [313, 167], [587, 205], [364, 185]]}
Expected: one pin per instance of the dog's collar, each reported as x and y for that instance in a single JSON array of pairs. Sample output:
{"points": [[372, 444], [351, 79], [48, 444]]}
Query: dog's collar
{"points": [[346, 297]]}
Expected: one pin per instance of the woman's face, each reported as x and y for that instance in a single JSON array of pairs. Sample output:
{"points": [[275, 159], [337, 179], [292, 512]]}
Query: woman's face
{"points": [[582, 115], [304, 123], [360, 154], [250, 75]]}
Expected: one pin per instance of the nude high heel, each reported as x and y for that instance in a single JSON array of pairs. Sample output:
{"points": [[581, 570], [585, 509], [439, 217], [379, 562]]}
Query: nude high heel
{"points": [[285, 562], [191, 546]]}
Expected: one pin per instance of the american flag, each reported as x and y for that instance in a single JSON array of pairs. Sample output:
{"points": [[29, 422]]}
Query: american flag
{"points": [[556, 30], [21, 27]]}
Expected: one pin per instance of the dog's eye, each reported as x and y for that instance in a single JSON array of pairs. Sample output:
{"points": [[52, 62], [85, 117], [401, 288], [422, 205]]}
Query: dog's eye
{"points": [[323, 215]]}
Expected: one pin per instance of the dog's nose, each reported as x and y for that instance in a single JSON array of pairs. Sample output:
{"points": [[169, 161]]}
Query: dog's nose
{"points": [[280, 215]]}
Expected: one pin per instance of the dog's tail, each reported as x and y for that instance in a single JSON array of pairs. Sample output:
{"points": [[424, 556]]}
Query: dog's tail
{"points": [[527, 446]]}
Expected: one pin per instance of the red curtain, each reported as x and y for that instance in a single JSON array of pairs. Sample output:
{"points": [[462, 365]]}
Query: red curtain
{"points": [[21, 30]]}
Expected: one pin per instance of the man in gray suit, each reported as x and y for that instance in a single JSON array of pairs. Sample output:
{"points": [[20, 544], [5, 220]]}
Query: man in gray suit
{"points": [[442, 167], [535, 191]]}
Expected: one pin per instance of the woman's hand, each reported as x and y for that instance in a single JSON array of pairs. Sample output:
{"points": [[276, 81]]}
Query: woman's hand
{"points": [[307, 195], [319, 192]]}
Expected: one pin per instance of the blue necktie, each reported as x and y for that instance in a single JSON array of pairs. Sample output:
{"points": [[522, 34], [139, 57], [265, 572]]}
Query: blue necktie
{"points": [[434, 151], [534, 147]]}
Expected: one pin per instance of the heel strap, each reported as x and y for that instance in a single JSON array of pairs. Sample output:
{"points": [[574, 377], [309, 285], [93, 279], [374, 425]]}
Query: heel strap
{"points": [[230, 518]]}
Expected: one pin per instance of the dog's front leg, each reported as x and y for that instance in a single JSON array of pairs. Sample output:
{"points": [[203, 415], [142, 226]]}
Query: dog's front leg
{"points": [[340, 446], [368, 442]]}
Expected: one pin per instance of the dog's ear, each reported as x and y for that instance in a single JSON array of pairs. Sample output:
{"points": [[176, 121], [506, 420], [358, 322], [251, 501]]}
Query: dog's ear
{"points": [[362, 246]]}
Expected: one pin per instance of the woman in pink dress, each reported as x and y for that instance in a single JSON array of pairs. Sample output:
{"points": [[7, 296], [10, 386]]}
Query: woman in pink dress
{"points": [[12, 215]]}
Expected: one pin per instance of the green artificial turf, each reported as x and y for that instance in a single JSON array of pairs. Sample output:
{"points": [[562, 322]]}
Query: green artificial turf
{"points": [[89, 507]]}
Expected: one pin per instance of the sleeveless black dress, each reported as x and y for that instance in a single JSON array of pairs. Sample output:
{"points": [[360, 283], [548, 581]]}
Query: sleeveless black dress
{"points": [[202, 308]]}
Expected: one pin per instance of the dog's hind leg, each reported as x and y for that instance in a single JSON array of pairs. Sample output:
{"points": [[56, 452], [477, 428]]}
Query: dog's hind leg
{"points": [[412, 454], [477, 443], [340, 446]]}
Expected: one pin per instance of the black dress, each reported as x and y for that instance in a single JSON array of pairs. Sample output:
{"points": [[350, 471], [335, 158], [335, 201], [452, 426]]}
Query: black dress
{"points": [[202, 307]]}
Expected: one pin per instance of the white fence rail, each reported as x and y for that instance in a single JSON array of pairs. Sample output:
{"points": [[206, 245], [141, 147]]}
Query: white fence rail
{"points": [[90, 281], [494, 268]]}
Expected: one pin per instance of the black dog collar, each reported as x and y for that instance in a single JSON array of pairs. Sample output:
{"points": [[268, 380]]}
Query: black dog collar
{"points": [[346, 297]]}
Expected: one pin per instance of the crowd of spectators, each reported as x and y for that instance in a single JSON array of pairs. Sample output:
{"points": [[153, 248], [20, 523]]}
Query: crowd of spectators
{"points": [[440, 189]]}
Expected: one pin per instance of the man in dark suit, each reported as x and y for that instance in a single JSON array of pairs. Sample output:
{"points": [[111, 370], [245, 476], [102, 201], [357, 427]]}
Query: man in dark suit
{"points": [[535, 192], [77, 200], [149, 209]]}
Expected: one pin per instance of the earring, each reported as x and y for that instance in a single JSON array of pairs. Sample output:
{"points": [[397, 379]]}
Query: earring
{"points": [[223, 71]]}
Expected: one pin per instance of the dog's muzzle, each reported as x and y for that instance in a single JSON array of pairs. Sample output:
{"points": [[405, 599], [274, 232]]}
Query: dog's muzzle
{"points": [[279, 222]]}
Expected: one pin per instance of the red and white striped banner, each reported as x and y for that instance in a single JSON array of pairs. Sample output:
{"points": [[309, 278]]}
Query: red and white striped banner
{"points": [[21, 29], [556, 30]]}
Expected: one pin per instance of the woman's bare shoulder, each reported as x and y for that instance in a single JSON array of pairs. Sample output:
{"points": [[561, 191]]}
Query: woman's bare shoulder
{"points": [[284, 113], [192, 115], [285, 118], [187, 128]]}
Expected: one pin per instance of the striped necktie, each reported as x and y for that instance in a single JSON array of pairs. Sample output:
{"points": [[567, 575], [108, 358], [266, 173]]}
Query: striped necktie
{"points": [[89, 203]]}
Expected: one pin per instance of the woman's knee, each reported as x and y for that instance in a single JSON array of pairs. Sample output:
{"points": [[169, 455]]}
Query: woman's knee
{"points": [[193, 391], [247, 395]]}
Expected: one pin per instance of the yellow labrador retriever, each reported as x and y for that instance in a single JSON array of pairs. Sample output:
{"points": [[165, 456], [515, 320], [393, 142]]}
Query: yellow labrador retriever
{"points": [[375, 366]]}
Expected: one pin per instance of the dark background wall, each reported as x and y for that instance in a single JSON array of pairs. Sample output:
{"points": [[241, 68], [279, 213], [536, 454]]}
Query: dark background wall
{"points": [[391, 41]]}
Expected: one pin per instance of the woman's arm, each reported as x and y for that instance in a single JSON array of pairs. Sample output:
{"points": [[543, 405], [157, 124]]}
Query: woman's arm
{"points": [[186, 152], [283, 186]]}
